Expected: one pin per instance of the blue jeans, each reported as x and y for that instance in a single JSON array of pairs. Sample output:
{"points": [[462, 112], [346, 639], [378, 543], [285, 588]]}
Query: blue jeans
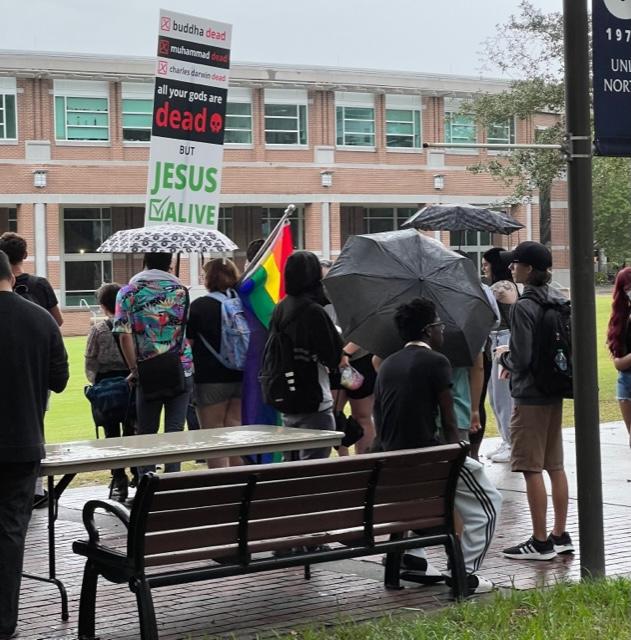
{"points": [[148, 418]]}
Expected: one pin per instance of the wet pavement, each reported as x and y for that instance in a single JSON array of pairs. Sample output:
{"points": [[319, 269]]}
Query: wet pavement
{"points": [[263, 604]]}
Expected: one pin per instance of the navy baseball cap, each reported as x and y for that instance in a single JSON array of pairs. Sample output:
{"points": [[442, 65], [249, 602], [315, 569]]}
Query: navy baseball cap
{"points": [[535, 254]]}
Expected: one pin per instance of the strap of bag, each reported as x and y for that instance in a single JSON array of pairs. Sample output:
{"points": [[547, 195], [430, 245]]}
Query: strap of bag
{"points": [[116, 339]]}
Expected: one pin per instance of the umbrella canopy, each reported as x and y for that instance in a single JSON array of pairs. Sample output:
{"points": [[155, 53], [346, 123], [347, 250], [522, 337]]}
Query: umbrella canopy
{"points": [[168, 238], [462, 217], [377, 272]]}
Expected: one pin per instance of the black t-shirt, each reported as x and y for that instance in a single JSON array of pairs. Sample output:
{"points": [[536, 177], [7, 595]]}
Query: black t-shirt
{"points": [[406, 398], [36, 289], [205, 320]]}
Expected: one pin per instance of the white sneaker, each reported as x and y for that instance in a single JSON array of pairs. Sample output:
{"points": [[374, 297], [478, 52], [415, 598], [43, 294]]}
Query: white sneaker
{"points": [[489, 454], [503, 455]]}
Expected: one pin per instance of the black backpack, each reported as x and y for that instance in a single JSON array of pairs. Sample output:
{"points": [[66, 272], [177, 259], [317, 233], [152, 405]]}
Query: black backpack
{"points": [[552, 348], [289, 378]]}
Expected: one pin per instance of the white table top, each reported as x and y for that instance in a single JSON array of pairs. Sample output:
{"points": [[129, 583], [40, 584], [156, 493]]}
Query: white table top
{"points": [[95, 455]]}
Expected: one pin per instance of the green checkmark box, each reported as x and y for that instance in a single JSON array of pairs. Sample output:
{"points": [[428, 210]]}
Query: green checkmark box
{"points": [[156, 209]]}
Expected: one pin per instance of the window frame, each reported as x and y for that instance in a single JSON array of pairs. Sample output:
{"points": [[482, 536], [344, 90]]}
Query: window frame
{"points": [[451, 109], [87, 90], [344, 101], [512, 133], [67, 258], [8, 89], [411, 103], [239, 95], [400, 214], [136, 91]]}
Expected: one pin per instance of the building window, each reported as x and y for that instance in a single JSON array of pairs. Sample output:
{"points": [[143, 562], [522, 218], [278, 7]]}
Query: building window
{"points": [[8, 219], [355, 119], [379, 219], [459, 127], [238, 129], [137, 116], [285, 117], [84, 229], [502, 132], [8, 118], [225, 223], [403, 122], [81, 110], [472, 243], [270, 217]]}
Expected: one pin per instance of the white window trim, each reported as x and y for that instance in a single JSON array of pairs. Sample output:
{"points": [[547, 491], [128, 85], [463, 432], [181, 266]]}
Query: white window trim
{"points": [[241, 95], [81, 89], [350, 147], [297, 145], [76, 257], [403, 103], [8, 87]]}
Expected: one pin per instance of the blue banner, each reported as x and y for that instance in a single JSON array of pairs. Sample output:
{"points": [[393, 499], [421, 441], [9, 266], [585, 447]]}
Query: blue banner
{"points": [[611, 24]]}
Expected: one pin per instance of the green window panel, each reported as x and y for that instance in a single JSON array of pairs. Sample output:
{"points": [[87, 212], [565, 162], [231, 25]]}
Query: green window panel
{"points": [[355, 126], [8, 118], [81, 118]]}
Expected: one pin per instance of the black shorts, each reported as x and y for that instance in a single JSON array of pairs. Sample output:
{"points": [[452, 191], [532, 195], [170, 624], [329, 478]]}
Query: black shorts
{"points": [[364, 366]]}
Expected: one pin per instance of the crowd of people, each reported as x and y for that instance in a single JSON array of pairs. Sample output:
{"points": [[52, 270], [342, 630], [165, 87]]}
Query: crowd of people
{"points": [[169, 352]]}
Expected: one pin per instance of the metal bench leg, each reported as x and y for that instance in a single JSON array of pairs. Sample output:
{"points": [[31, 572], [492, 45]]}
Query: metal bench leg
{"points": [[146, 613], [393, 566], [307, 572], [458, 572], [87, 603]]}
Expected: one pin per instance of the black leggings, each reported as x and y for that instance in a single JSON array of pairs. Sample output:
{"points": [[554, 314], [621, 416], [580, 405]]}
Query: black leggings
{"points": [[476, 438]]}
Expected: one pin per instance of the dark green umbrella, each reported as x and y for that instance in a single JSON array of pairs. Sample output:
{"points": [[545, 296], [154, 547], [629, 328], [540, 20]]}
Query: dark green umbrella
{"points": [[377, 272]]}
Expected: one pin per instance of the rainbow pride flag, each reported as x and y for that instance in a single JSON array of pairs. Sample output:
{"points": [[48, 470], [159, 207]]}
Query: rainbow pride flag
{"points": [[261, 288], [263, 285]]}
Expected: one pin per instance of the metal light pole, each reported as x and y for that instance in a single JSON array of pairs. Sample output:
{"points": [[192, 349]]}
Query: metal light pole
{"points": [[586, 416]]}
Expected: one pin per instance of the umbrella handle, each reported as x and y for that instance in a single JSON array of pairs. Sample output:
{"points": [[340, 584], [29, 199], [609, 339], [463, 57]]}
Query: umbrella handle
{"points": [[177, 264]]}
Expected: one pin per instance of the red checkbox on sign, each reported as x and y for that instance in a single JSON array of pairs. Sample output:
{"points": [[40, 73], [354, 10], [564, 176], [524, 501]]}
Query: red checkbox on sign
{"points": [[165, 24], [163, 68], [164, 47]]}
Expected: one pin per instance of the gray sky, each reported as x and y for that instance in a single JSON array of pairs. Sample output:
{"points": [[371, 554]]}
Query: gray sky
{"points": [[438, 36]]}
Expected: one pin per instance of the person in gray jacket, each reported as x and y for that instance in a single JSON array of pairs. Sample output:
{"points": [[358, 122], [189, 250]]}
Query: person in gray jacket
{"points": [[535, 426]]}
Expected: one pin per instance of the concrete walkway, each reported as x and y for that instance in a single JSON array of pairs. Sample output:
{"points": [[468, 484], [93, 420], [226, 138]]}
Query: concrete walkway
{"points": [[258, 605]]}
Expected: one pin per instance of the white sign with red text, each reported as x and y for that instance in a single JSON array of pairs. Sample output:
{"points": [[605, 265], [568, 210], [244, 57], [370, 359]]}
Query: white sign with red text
{"points": [[189, 110]]}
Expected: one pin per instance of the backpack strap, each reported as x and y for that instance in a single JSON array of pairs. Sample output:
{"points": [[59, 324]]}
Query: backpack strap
{"points": [[116, 339]]}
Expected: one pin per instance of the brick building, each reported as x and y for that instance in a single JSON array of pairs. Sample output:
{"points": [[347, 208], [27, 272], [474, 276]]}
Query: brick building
{"points": [[344, 145]]}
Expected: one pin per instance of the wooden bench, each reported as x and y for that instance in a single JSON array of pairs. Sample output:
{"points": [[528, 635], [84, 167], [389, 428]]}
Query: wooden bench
{"points": [[241, 520]]}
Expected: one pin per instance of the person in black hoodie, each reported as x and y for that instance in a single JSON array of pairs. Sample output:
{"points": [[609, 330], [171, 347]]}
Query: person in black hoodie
{"points": [[33, 361], [316, 343]]}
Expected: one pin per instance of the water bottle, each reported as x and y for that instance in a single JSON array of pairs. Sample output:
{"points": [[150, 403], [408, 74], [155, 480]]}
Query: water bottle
{"points": [[560, 360]]}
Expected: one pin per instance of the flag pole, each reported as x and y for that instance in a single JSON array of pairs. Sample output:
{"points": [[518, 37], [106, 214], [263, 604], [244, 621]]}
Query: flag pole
{"points": [[270, 238]]}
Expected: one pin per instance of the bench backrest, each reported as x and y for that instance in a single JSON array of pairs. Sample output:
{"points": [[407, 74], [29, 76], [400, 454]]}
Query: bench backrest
{"points": [[232, 513]]}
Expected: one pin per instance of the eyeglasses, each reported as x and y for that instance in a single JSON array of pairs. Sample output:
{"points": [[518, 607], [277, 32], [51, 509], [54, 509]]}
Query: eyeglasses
{"points": [[431, 325]]}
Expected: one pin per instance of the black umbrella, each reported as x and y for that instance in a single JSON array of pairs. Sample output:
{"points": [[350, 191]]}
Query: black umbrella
{"points": [[462, 217], [377, 272]]}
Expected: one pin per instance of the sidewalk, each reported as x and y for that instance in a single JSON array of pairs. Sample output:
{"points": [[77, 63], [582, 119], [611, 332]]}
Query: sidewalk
{"points": [[257, 605]]}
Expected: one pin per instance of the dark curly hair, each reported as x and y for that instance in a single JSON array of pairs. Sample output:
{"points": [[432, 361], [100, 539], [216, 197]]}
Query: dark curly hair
{"points": [[14, 246], [412, 317], [620, 310]]}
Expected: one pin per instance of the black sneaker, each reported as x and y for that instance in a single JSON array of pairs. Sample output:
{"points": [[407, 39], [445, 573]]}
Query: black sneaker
{"points": [[40, 501], [532, 549], [419, 569], [562, 544]]}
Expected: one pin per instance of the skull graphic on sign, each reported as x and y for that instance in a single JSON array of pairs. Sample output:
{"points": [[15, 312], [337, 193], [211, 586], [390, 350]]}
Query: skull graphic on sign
{"points": [[216, 122]]}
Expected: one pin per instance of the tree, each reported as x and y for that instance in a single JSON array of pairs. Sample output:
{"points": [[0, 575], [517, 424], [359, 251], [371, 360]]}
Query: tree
{"points": [[612, 205], [529, 48]]}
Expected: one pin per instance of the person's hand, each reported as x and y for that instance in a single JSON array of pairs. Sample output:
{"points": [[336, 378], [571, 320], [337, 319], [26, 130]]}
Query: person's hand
{"points": [[132, 377], [498, 351], [344, 361], [474, 425]]}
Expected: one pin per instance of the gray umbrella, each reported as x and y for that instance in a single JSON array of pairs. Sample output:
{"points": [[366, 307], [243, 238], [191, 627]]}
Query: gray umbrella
{"points": [[462, 217], [377, 272]]}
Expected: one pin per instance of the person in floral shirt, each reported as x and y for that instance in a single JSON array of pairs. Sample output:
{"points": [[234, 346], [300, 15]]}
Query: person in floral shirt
{"points": [[151, 315]]}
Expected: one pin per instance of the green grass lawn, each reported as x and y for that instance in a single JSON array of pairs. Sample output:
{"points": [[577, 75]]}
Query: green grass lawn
{"points": [[595, 610], [69, 417]]}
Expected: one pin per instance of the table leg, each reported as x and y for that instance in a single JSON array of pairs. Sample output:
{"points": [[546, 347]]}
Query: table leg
{"points": [[54, 493]]}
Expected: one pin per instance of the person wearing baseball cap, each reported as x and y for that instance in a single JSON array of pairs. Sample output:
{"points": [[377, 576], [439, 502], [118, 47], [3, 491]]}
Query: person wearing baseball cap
{"points": [[536, 420]]}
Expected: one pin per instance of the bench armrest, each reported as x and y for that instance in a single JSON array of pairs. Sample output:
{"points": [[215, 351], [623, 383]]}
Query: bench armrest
{"points": [[110, 506]]}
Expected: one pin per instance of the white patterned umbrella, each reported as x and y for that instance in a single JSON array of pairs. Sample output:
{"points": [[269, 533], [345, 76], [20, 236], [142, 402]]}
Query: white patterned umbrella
{"points": [[168, 238]]}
